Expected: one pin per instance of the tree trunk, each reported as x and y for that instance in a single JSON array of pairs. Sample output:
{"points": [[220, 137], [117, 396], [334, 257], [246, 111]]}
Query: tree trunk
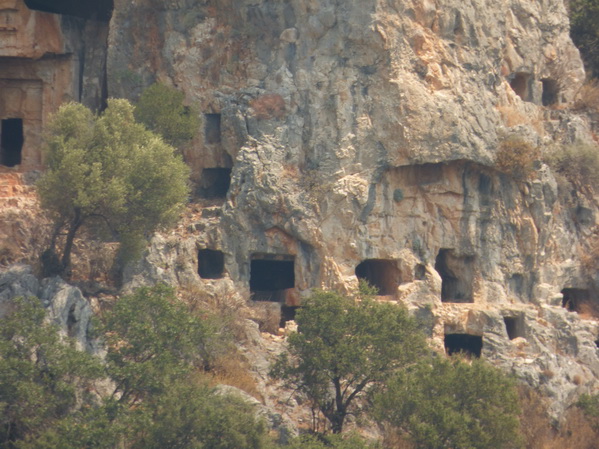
{"points": [[68, 247]]}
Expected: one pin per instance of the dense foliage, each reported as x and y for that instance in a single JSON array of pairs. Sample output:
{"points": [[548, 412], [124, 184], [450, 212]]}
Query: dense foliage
{"points": [[452, 403], [343, 347], [149, 393], [42, 377], [110, 171], [161, 109], [584, 29]]}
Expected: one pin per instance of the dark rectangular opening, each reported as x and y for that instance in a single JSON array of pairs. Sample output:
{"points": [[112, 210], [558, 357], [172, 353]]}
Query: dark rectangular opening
{"points": [[287, 314], [457, 276], [520, 84], [381, 274], [212, 131], [11, 142], [579, 300], [214, 183], [514, 326], [211, 264], [270, 278], [550, 92], [469, 345]]}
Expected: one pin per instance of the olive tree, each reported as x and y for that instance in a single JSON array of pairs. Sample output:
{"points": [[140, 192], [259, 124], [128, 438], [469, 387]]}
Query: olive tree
{"points": [[111, 171], [344, 346], [444, 404]]}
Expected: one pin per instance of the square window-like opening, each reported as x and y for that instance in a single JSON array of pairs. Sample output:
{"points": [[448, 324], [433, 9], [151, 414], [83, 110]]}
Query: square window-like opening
{"points": [[381, 274], [469, 345], [271, 276], [520, 84], [550, 93], [214, 183], [11, 142], [579, 300], [457, 276], [211, 264], [212, 128], [514, 326]]}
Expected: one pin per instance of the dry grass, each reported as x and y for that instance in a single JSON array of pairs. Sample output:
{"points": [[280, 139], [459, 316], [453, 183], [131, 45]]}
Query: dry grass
{"points": [[268, 106], [587, 97], [540, 432], [232, 369], [516, 157], [578, 162]]}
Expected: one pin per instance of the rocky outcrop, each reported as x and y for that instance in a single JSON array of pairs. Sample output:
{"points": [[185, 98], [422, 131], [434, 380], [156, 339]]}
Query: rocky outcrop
{"points": [[364, 134], [65, 304]]}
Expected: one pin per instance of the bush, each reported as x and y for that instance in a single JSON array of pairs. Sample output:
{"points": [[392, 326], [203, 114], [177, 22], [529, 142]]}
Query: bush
{"points": [[452, 403], [584, 29], [587, 97], [161, 109], [578, 162], [516, 157]]}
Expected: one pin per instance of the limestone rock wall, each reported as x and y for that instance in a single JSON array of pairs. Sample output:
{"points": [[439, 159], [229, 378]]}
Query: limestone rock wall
{"points": [[367, 131]]}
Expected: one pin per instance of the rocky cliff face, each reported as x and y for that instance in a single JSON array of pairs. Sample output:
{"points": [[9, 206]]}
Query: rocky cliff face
{"points": [[359, 140], [362, 138]]}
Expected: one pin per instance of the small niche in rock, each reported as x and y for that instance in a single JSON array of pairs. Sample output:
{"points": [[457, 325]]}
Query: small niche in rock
{"points": [[469, 345], [214, 183], [520, 84], [457, 275], [287, 314], [514, 326], [516, 284], [211, 264], [11, 142], [579, 300], [71, 322], [212, 129], [421, 174], [381, 274], [550, 93], [420, 272], [271, 276]]}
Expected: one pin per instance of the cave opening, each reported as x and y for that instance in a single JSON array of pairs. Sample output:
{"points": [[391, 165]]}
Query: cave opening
{"points": [[214, 183], [550, 93], [87, 9], [211, 264], [11, 142], [271, 276], [469, 345], [579, 300], [520, 85], [381, 274], [457, 275], [287, 314], [212, 128], [514, 326]]}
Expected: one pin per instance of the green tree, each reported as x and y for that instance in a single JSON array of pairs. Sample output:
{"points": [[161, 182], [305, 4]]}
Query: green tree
{"points": [[161, 109], [43, 377], [584, 29], [452, 404], [345, 346], [152, 338], [109, 171], [589, 404]]}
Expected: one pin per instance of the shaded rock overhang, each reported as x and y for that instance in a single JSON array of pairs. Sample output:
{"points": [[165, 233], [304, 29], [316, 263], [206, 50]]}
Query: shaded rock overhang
{"points": [[87, 9]]}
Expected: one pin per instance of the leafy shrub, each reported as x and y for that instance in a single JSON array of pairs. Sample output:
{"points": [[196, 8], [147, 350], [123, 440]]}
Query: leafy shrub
{"points": [[587, 97], [578, 162], [161, 109], [516, 157], [584, 29], [268, 106], [451, 404]]}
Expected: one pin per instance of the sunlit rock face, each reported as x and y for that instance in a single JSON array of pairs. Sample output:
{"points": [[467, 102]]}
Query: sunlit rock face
{"points": [[344, 140], [45, 60]]}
